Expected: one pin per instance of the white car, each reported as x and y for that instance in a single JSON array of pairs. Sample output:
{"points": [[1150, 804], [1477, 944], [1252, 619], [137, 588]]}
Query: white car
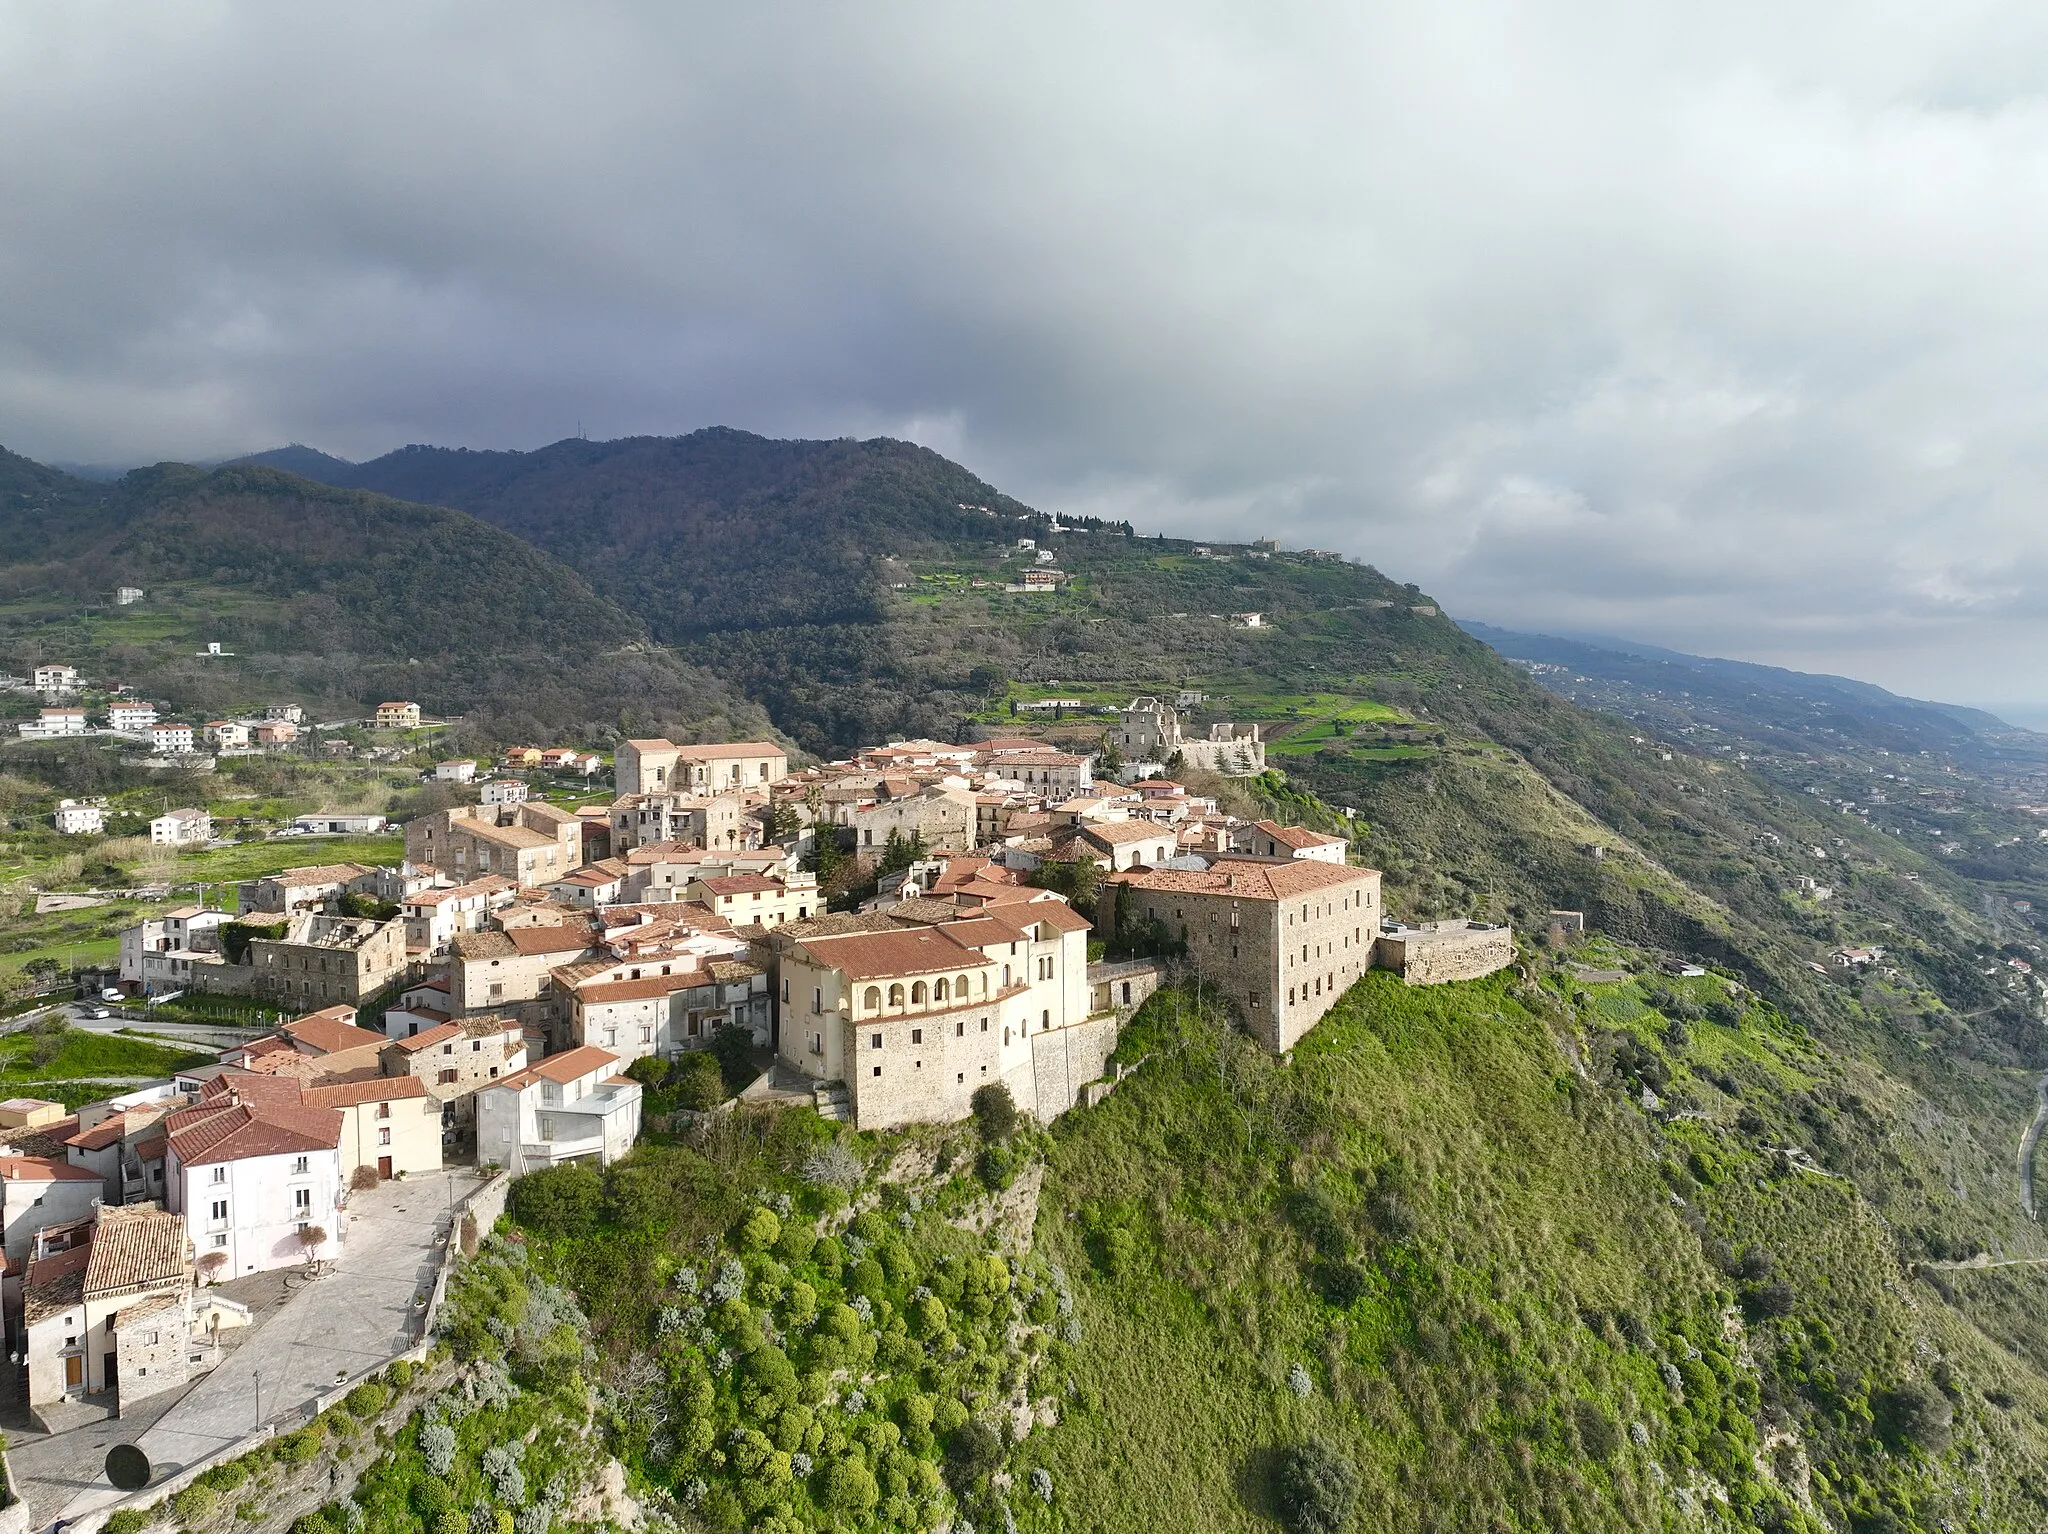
{"points": [[96, 1013]]}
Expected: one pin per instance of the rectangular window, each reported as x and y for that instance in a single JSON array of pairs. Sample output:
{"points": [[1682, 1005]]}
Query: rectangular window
{"points": [[383, 1137], [220, 1240], [960, 1029], [220, 1209], [917, 1035], [302, 1200], [383, 1110], [874, 1041], [878, 1070], [448, 1078], [220, 1174]]}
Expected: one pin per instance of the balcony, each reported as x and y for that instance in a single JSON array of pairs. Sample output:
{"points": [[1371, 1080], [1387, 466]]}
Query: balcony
{"points": [[555, 1152]]}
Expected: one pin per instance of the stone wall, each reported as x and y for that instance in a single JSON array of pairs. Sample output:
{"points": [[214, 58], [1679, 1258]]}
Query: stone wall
{"points": [[148, 1367], [1444, 951], [1067, 1059]]}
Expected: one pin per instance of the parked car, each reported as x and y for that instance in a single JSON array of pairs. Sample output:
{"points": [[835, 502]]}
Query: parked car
{"points": [[112, 993], [96, 1013]]}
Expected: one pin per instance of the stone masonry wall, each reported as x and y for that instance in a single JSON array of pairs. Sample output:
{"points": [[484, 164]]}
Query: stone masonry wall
{"points": [[1067, 1059], [1434, 957]]}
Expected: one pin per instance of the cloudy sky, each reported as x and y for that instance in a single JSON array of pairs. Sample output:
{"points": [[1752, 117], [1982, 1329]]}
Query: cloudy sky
{"points": [[1718, 326]]}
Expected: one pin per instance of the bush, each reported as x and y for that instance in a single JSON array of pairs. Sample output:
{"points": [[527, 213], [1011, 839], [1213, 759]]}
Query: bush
{"points": [[400, 1374], [128, 1520], [196, 1503], [649, 1070], [299, 1448], [1316, 1486], [733, 1047], [437, 1447], [558, 1200], [995, 1113], [760, 1231], [1913, 1415], [697, 1081], [1598, 1435], [367, 1399], [972, 1453]]}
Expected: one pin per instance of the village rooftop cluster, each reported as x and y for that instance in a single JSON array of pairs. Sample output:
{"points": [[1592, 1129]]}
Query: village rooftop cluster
{"points": [[501, 993]]}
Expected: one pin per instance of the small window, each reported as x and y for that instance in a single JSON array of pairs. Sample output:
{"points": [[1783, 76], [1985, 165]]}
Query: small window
{"points": [[874, 1041], [917, 1035], [220, 1174], [383, 1137], [878, 1070]]}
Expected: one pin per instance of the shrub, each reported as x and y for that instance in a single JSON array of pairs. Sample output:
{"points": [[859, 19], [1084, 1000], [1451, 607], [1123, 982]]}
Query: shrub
{"points": [[697, 1081], [972, 1453], [196, 1503], [299, 1448], [834, 1165], [128, 1520], [558, 1200], [1316, 1486], [367, 1399], [733, 1047], [1598, 1435], [400, 1374], [437, 1447], [760, 1231], [796, 1241], [1913, 1415], [649, 1070], [995, 1112], [363, 1178]]}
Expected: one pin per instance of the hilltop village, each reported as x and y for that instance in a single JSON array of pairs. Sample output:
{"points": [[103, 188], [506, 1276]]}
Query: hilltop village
{"points": [[507, 992]]}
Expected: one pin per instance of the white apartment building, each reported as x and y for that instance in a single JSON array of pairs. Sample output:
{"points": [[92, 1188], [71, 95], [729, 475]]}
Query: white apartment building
{"points": [[462, 770], [255, 1172], [56, 680], [80, 817], [503, 791], [570, 1107], [36, 1191], [227, 734], [131, 716], [50, 723], [157, 953], [181, 828], [434, 916], [171, 739]]}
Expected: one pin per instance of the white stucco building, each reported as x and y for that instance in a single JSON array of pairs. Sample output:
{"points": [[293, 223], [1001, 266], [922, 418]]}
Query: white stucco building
{"points": [[255, 1171], [570, 1107]]}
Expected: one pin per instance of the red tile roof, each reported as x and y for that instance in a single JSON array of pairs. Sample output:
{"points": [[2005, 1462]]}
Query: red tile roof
{"points": [[326, 1034], [234, 1132], [43, 1169], [351, 1094], [1248, 880], [571, 1065], [135, 1245]]}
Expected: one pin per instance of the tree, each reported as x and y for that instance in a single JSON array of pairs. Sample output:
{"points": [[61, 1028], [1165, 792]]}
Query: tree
{"points": [[733, 1046], [995, 1112], [901, 851], [311, 1239], [649, 1070], [1109, 756], [1316, 1485], [210, 1264], [697, 1081], [972, 1453]]}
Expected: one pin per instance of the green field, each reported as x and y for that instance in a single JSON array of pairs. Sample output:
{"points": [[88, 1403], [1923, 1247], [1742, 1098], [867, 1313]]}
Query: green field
{"points": [[30, 1058]]}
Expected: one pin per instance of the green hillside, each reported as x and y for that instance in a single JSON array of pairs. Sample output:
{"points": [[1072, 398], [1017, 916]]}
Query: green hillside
{"points": [[334, 598]]}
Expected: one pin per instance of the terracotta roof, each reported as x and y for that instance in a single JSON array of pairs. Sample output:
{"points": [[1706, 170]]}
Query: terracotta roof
{"points": [[136, 1244], [1298, 837], [600, 992], [1245, 880], [571, 1065], [1118, 833], [27, 1104], [243, 1129], [376, 1089], [567, 937], [905, 951], [108, 1131], [55, 1282], [427, 1038], [516, 837], [657, 744], [43, 1169], [325, 873], [483, 945], [741, 748], [329, 1035], [741, 884]]}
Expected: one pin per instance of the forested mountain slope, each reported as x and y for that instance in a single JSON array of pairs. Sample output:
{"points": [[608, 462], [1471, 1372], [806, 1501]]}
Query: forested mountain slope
{"points": [[335, 597]]}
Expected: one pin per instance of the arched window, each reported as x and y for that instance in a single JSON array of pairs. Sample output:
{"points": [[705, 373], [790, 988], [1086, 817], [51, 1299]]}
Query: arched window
{"points": [[939, 990], [896, 995], [873, 999], [984, 982], [1045, 1018], [960, 986], [917, 994]]}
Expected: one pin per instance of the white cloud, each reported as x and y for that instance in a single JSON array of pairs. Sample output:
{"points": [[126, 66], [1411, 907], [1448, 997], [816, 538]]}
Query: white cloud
{"points": [[1716, 325]]}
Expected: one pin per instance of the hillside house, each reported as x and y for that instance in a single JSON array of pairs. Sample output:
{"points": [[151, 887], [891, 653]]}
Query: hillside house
{"points": [[570, 1107], [512, 972], [130, 717], [80, 817], [705, 820], [55, 681], [391, 1123], [181, 828], [1281, 941], [159, 953], [502, 791], [912, 1019], [942, 817], [456, 1059], [256, 1174], [434, 917], [109, 1305], [1115, 844], [669, 1013], [284, 713], [316, 887], [36, 1191], [755, 900], [171, 739], [273, 734], [398, 716], [594, 884], [227, 734], [654, 766], [460, 770], [531, 844], [1269, 839], [53, 723]]}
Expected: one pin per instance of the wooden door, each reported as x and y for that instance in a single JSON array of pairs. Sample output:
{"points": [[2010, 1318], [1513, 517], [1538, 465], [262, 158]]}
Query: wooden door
{"points": [[384, 1167], [74, 1372]]}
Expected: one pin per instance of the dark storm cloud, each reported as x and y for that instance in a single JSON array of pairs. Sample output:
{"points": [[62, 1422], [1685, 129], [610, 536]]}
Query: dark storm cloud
{"points": [[1720, 326]]}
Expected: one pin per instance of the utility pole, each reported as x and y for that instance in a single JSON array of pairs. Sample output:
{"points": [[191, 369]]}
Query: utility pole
{"points": [[259, 1398]]}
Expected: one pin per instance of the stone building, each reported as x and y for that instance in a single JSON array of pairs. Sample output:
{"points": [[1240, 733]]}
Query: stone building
{"points": [[913, 1019], [651, 766], [1438, 951], [1150, 731], [718, 821], [1280, 941], [532, 843], [511, 972], [457, 1059], [324, 961]]}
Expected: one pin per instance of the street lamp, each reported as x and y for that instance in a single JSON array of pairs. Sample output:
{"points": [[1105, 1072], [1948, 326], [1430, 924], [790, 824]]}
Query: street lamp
{"points": [[259, 1398]]}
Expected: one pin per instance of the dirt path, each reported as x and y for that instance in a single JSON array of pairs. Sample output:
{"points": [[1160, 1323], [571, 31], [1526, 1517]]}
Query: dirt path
{"points": [[2028, 1141]]}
